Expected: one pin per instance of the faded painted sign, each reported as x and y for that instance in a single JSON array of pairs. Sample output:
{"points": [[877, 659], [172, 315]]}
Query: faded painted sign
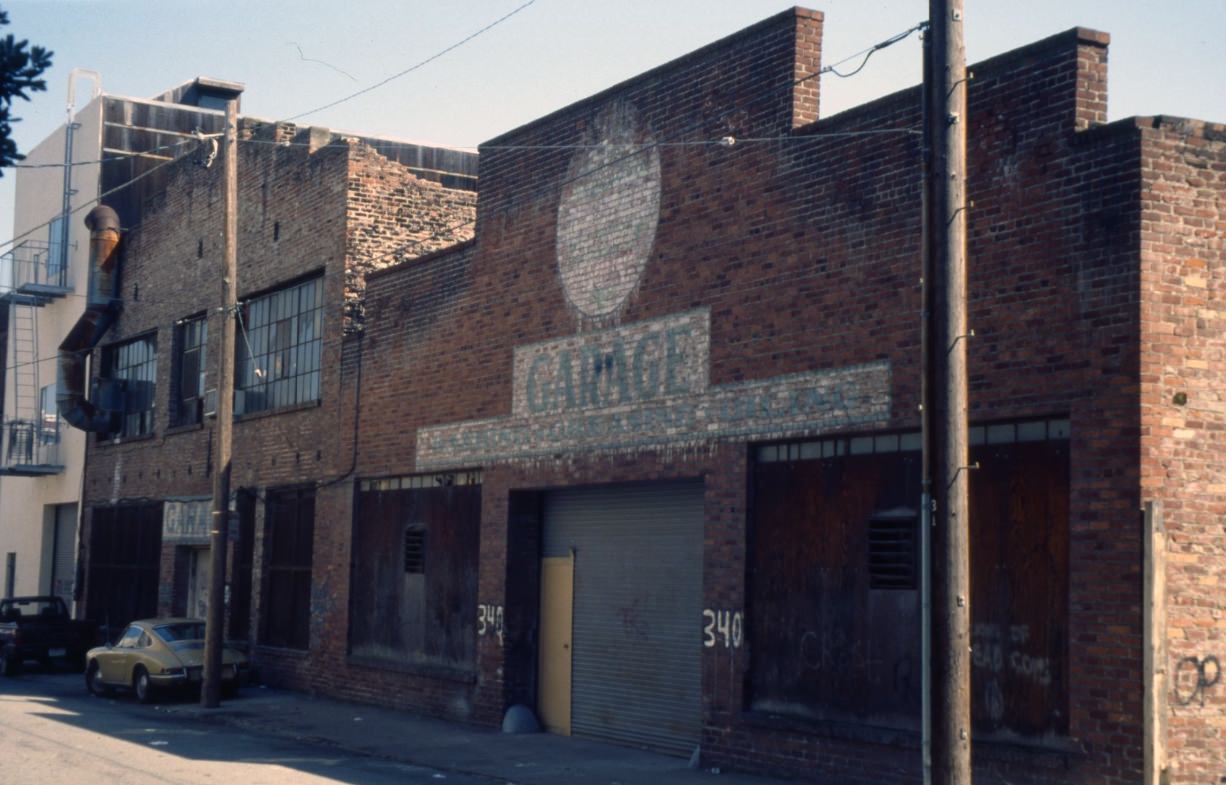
{"points": [[607, 213], [187, 521], [646, 385]]}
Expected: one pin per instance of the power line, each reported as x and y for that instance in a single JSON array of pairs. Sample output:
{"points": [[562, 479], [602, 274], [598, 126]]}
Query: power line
{"points": [[869, 52], [92, 201], [413, 68], [126, 156], [449, 232]]}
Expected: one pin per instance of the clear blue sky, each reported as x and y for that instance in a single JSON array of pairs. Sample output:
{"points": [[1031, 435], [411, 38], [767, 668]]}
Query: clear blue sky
{"points": [[1165, 58]]}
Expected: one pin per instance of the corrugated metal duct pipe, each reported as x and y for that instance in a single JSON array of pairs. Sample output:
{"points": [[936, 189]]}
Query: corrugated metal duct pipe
{"points": [[101, 309]]}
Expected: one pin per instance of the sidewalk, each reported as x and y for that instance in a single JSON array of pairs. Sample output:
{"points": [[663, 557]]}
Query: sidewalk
{"points": [[533, 759]]}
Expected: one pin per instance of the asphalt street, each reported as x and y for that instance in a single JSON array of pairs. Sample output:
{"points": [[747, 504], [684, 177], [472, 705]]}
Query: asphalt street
{"points": [[52, 732]]}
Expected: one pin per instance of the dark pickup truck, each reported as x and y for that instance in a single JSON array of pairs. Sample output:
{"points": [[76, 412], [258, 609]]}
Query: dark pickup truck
{"points": [[39, 628]]}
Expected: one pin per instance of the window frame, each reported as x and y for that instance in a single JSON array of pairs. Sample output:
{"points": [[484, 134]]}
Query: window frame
{"points": [[279, 352], [143, 417], [187, 410]]}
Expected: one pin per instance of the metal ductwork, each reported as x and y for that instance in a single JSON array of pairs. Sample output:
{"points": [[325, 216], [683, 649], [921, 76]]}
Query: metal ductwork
{"points": [[101, 310]]}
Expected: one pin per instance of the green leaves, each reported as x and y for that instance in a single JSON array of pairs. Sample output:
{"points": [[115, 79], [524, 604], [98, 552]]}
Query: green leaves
{"points": [[20, 69]]}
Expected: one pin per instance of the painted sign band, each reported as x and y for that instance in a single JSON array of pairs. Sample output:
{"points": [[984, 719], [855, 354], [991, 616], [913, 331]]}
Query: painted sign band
{"points": [[644, 386]]}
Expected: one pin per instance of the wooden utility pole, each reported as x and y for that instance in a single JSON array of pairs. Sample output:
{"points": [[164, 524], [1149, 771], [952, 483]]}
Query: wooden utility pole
{"points": [[214, 630], [951, 622]]}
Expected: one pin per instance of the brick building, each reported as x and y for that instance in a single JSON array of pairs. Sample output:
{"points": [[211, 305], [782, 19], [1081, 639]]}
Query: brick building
{"points": [[317, 212], [643, 455], [655, 431]]}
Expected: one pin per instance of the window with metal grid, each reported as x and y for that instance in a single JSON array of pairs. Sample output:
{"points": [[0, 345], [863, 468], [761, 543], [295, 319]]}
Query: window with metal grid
{"points": [[191, 340], [279, 344], [134, 365]]}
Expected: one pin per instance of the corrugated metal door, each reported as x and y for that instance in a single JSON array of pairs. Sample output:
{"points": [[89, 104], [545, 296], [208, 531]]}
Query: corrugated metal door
{"points": [[64, 561], [636, 667]]}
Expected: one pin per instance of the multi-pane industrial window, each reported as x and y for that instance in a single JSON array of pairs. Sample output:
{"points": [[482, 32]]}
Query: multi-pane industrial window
{"points": [[279, 346], [191, 338], [133, 366]]}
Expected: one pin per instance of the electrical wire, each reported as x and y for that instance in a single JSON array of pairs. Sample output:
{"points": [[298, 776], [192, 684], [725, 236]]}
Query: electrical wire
{"points": [[124, 156], [91, 202], [869, 52], [721, 142], [414, 67], [450, 231]]}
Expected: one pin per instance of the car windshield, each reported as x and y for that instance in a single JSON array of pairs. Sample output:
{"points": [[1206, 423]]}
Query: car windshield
{"points": [[181, 631], [25, 608]]}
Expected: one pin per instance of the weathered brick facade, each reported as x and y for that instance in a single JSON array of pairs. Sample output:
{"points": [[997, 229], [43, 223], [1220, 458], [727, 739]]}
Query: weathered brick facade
{"points": [[801, 242], [694, 275], [311, 205], [1183, 450]]}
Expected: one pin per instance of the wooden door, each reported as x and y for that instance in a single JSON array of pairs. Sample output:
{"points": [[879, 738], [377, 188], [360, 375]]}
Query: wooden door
{"points": [[554, 658]]}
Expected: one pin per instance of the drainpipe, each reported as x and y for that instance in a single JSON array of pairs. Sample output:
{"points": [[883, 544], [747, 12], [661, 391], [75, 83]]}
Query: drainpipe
{"points": [[101, 309]]}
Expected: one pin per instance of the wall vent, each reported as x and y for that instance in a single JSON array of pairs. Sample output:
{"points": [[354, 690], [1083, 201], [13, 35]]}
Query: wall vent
{"points": [[415, 550], [893, 550]]}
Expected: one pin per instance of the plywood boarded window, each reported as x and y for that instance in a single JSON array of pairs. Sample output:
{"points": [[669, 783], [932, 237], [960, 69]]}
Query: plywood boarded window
{"points": [[834, 577], [828, 640], [1019, 589], [413, 595]]}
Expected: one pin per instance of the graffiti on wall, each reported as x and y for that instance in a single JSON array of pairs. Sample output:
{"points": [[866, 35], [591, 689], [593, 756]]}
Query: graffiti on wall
{"points": [[1195, 676], [998, 647]]}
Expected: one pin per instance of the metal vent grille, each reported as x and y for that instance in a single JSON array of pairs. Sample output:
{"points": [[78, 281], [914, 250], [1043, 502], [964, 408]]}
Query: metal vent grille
{"points": [[415, 551], [892, 551]]}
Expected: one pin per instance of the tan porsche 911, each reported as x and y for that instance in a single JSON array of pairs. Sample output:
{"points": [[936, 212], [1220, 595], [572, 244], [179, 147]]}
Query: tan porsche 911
{"points": [[153, 655]]}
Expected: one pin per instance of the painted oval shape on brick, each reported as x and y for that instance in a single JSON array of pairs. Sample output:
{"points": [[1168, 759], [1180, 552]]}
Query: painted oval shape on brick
{"points": [[608, 214]]}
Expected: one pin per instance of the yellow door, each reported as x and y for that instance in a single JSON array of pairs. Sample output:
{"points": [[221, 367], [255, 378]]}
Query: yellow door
{"points": [[553, 660]]}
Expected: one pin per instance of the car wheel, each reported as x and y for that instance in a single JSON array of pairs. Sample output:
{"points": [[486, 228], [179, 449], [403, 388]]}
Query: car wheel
{"points": [[229, 689], [10, 663], [94, 682], [142, 686]]}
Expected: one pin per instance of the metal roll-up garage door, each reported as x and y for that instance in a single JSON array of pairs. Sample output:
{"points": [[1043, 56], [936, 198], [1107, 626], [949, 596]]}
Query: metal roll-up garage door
{"points": [[637, 633]]}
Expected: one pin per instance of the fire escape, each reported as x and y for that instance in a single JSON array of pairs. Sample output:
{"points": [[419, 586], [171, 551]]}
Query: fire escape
{"points": [[32, 275]]}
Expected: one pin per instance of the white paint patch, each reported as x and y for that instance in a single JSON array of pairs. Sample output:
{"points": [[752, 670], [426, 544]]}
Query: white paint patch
{"points": [[608, 213], [117, 479]]}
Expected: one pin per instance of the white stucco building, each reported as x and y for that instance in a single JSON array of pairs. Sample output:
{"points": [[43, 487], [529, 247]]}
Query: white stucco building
{"points": [[118, 145]]}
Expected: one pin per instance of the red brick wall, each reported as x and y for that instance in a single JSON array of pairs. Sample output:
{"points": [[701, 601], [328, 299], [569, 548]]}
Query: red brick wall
{"points": [[338, 210], [804, 246], [395, 215], [1183, 418]]}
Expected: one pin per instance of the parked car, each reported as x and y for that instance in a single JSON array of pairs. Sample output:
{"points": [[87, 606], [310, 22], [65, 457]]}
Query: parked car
{"points": [[39, 628], [153, 655]]}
